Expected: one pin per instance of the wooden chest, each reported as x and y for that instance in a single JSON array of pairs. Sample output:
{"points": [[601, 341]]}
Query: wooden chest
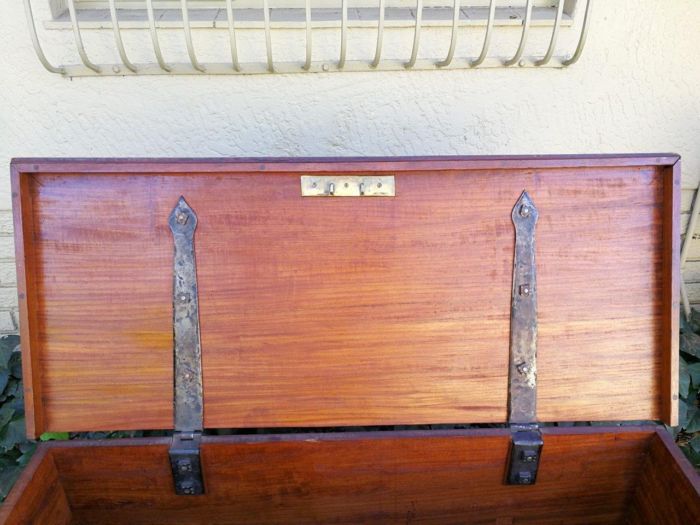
{"points": [[352, 320]]}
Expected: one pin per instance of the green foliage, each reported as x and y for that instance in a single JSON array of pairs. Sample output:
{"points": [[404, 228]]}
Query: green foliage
{"points": [[688, 431], [15, 449]]}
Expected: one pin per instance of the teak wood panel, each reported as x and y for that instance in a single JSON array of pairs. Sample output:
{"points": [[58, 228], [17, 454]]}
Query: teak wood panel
{"points": [[668, 490], [587, 476], [347, 311]]}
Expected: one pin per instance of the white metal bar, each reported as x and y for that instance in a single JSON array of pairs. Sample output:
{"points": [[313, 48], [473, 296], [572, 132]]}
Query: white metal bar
{"points": [[232, 35], [154, 37], [584, 35], [79, 39], [256, 68], [453, 38], [35, 40], [686, 302], [416, 35], [268, 36], [118, 37], [692, 226], [555, 35], [380, 35], [188, 37], [523, 37], [343, 33], [487, 36], [307, 63]]}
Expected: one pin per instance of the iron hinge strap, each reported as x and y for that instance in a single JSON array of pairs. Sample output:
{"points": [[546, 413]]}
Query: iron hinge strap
{"points": [[526, 439], [188, 402]]}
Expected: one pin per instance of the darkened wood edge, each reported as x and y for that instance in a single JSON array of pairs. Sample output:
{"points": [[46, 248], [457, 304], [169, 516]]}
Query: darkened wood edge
{"points": [[679, 458], [26, 293], [349, 436], [335, 164]]}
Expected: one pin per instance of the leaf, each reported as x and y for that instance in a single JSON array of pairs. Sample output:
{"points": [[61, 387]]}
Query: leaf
{"points": [[693, 424], [13, 434], [4, 378], [6, 413], [693, 456], [695, 443], [694, 371], [26, 454], [684, 381], [690, 344], [5, 355], [8, 476], [52, 436], [686, 411], [16, 365]]}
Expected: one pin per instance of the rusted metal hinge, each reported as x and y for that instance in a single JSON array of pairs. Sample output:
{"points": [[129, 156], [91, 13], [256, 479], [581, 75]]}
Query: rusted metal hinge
{"points": [[188, 402], [526, 439]]}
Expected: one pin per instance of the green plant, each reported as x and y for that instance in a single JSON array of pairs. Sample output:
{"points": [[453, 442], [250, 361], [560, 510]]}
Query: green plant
{"points": [[688, 431], [15, 449]]}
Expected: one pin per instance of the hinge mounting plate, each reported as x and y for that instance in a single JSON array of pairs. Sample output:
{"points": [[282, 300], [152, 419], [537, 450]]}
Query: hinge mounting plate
{"points": [[188, 402], [526, 446]]}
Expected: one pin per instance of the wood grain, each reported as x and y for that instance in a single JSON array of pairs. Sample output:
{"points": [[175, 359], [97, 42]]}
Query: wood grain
{"points": [[25, 261], [348, 311], [671, 294], [382, 477], [38, 496], [669, 488]]}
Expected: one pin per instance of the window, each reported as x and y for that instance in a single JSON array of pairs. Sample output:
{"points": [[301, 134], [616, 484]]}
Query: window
{"points": [[291, 36]]}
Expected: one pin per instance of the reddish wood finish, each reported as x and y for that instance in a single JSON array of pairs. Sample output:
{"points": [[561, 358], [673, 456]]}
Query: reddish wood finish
{"points": [[23, 215], [346, 311], [587, 476], [668, 490], [671, 293]]}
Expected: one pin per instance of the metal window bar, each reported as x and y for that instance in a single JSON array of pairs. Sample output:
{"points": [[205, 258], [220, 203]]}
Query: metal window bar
{"points": [[234, 65], [555, 36], [188, 37], [343, 33], [79, 38], [487, 36], [35, 41], [268, 36], [154, 37], [523, 37], [118, 36], [232, 35], [380, 35], [453, 38], [416, 35]]}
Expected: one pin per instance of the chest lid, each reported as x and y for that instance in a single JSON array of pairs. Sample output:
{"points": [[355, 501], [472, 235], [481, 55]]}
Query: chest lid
{"points": [[364, 305]]}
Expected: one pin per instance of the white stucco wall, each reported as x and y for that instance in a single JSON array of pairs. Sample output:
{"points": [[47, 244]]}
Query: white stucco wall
{"points": [[636, 89]]}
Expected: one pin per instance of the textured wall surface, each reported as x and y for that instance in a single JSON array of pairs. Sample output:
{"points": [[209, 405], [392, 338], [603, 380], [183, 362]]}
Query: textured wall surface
{"points": [[634, 90]]}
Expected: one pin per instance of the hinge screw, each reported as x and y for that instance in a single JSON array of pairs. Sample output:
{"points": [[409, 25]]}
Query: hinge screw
{"points": [[524, 210], [187, 487], [522, 368], [185, 465], [181, 218], [525, 289]]}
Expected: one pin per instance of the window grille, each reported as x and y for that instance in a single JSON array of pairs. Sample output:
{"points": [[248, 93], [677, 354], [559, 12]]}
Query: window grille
{"points": [[449, 25]]}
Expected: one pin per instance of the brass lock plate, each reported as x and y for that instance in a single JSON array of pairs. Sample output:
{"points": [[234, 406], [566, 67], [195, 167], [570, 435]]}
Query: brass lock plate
{"points": [[347, 186]]}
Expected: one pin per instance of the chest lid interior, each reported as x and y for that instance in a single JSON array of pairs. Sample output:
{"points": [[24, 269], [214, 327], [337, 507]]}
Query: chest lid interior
{"points": [[346, 311]]}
